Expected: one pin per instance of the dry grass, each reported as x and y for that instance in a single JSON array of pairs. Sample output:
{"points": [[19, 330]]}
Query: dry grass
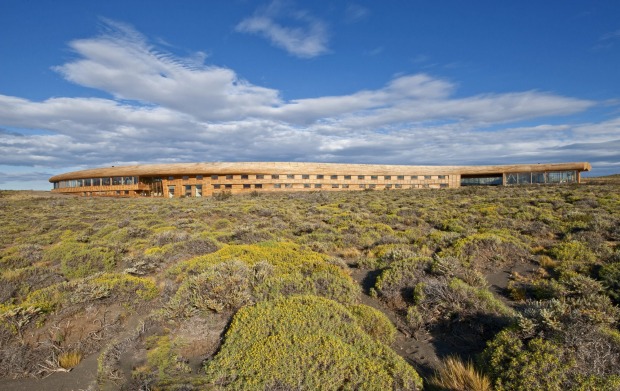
{"points": [[68, 360], [455, 375]]}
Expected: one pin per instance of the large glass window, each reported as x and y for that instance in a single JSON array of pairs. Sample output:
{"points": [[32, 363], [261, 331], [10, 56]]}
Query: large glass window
{"points": [[198, 190]]}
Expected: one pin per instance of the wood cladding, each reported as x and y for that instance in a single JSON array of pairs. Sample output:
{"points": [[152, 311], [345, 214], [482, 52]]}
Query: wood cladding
{"points": [[204, 179]]}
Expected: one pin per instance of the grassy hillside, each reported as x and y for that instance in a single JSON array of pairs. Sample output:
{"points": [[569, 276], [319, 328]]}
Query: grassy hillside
{"points": [[498, 288]]}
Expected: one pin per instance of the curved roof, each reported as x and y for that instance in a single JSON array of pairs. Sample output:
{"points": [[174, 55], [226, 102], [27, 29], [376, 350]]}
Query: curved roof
{"points": [[306, 168]]}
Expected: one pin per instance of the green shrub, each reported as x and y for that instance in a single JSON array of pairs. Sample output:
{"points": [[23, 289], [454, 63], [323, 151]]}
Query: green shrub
{"points": [[305, 342], [374, 323], [609, 275], [516, 365], [79, 260], [240, 274], [573, 255]]}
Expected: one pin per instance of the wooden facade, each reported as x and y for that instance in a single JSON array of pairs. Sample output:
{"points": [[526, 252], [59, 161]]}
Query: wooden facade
{"points": [[206, 179]]}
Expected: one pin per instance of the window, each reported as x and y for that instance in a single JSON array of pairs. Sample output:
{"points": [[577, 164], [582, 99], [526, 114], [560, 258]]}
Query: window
{"points": [[398, 186], [335, 186], [170, 178], [347, 177], [362, 186], [188, 190], [427, 177], [214, 177], [244, 177], [305, 176], [372, 186], [260, 176], [414, 177], [170, 191], [117, 180], [198, 190], [345, 186], [88, 182], [320, 176], [228, 186], [277, 185], [400, 177], [334, 177], [247, 186], [105, 181], [361, 177], [374, 177], [126, 192], [290, 176], [387, 177], [275, 176], [199, 177], [288, 185], [443, 185], [388, 186], [229, 177], [96, 181], [185, 177], [217, 186], [442, 177], [317, 185], [306, 185], [258, 186]]}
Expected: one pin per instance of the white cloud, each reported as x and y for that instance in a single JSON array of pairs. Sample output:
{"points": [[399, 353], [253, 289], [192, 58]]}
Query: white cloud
{"points": [[307, 37]]}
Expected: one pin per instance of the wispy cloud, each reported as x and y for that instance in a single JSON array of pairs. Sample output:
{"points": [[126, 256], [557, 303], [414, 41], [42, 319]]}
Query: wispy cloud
{"points": [[167, 109], [355, 13], [297, 32]]}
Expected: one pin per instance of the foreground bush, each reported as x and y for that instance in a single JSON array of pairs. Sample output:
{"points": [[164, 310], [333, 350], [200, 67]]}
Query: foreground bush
{"points": [[237, 275], [305, 342]]}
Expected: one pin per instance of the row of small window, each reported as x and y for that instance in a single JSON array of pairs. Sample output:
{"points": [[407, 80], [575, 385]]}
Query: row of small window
{"points": [[318, 176], [317, 186]]}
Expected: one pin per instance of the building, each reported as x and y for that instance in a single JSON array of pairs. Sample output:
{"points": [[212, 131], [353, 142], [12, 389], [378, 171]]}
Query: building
{"points": [[206, 179]]}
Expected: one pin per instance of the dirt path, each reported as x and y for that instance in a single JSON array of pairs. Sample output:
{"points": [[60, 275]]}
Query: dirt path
{"points": [[418, 350]]}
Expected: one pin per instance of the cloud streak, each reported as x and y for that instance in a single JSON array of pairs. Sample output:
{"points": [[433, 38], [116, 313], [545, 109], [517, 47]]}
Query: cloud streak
{"points": [[304, 37]]}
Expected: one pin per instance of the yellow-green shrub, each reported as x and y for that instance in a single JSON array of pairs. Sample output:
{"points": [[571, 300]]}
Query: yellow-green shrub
{"points": [[374, 323], [305, 342]]}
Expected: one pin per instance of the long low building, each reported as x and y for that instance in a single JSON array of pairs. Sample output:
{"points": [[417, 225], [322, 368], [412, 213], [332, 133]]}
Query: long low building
{"points": [[206, 179]]}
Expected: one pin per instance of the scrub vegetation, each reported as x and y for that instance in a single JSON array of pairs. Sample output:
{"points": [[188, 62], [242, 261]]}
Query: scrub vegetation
{"points": [[504, 288]]}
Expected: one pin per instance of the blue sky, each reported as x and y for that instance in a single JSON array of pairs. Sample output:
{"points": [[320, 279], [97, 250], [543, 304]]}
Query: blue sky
{"points": [[86, 83]]}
